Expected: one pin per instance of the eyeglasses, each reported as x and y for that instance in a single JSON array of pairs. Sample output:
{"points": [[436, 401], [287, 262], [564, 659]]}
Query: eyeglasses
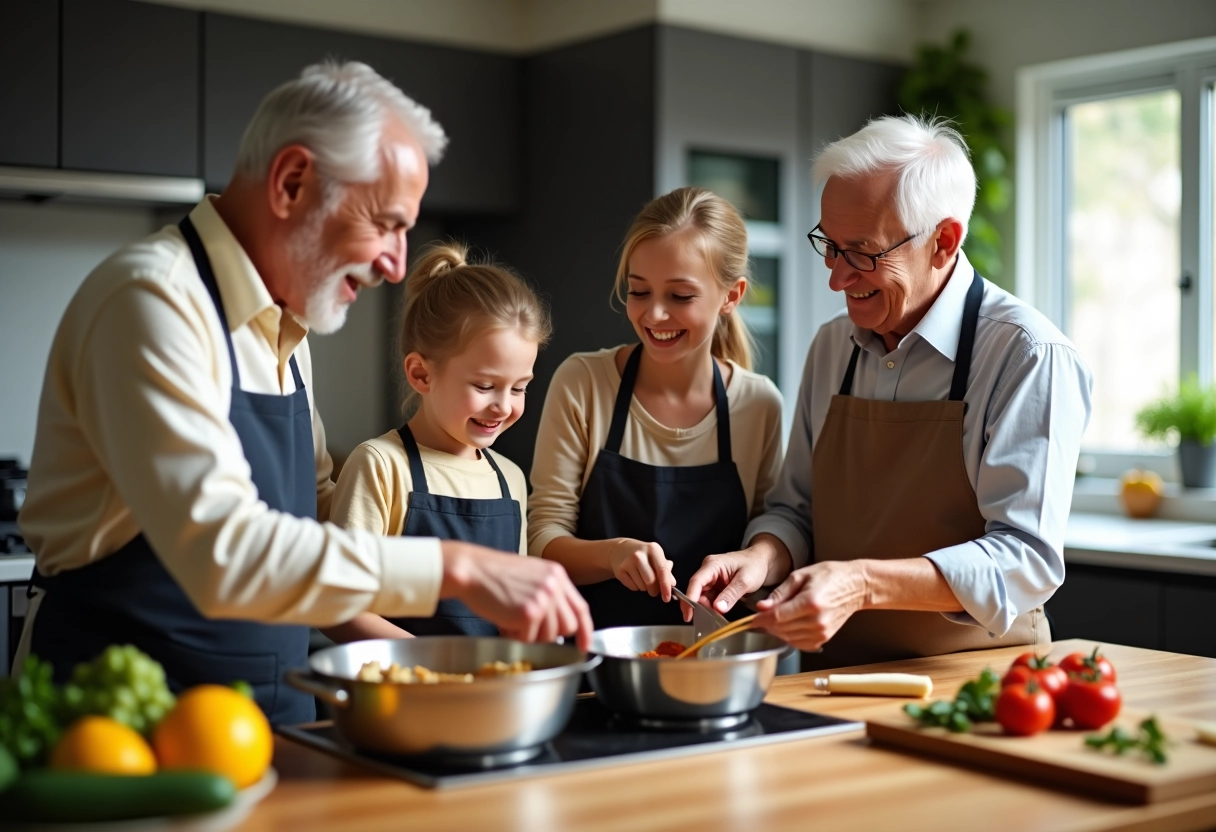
{"points": [[857, 259]]}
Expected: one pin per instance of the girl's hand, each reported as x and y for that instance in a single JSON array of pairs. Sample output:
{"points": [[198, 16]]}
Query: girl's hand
{"points": [[642, 566]]}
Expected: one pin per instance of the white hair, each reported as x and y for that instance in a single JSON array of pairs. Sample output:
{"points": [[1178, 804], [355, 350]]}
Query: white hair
{"points": [[935, 179], [336, 110]]}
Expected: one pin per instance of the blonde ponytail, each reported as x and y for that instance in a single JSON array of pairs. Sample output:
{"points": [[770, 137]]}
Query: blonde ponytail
{"points": [[448, 300], [721, 234]]}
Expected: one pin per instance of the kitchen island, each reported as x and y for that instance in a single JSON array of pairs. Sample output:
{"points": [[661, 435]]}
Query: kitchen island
{"points": [[826, 783]]}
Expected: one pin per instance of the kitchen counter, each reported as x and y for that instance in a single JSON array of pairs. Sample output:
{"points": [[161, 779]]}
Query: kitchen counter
{"points": [[16, 569], [826, 783], [1157, 545]]}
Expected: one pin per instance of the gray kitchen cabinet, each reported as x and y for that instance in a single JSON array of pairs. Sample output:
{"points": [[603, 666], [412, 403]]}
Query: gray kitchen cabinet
{"points": [[474, 95], [1190, 616], [29, 83], [130, 88], [1108, 605], [1159, 610]]}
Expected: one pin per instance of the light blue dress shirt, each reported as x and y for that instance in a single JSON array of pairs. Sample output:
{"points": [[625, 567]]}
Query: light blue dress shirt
{"points": [[1028, 402]]}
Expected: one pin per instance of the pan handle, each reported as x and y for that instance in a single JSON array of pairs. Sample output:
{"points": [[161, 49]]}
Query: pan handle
{"points": [[324, 690]]}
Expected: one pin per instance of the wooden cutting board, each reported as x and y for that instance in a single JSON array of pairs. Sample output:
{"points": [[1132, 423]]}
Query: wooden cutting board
{"points": [[1061, 758]]}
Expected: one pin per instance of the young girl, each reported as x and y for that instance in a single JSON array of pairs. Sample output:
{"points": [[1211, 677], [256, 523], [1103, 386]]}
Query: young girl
{"points": [[469, 338], [652, 456]]}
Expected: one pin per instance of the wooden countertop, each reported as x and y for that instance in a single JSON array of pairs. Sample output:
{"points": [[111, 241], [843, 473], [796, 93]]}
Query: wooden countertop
{"points": [[827, 783]]}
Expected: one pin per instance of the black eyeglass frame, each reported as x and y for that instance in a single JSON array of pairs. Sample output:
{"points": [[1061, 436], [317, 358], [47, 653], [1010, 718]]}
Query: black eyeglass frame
{"points": [[869, 262]]}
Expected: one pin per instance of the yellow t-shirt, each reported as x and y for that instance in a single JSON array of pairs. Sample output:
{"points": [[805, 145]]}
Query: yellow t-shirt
{"points": [[374, 486]]}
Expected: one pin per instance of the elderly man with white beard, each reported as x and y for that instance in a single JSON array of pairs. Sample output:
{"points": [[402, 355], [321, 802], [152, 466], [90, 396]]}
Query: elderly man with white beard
{"points": [[180, 482]]}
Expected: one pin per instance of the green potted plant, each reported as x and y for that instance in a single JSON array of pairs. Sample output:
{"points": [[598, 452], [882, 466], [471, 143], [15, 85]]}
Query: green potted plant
{"points": [[1189, 417]]}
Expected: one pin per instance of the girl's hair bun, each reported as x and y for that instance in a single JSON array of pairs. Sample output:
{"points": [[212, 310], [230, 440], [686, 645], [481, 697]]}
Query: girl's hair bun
{"points": [[440, 259]]}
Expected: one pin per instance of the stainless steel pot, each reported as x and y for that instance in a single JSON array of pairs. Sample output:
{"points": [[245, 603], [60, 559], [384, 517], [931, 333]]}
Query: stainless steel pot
{"points": [[687, 689], [491, 721]]}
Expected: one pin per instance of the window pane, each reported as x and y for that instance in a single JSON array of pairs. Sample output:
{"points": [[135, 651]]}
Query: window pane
{"points": [[1122, 254], [759, 311], [749, 182]]}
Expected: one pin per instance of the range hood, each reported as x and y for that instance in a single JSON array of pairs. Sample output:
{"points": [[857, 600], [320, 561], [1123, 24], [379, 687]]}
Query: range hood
{"points": [[42, 184]]}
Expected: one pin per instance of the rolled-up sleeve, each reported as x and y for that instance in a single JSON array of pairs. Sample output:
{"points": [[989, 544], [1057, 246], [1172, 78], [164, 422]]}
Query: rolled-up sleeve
{"points": [[787, 514], [1032, 432], [152, 411]]}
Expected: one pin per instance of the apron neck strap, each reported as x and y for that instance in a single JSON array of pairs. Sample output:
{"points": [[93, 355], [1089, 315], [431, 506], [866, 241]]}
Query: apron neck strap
{"points": [[624, 396], [203, 263], [419, 476], [415, 458], [962, 358], [502, 481], [966, 339]]}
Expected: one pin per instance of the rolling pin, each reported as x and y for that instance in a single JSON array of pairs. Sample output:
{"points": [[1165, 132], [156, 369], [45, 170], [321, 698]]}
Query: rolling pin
{"points": [[876, 684]]}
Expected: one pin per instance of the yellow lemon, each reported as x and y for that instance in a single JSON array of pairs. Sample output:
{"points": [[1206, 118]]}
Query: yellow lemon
{"points": [[217, 729], [104, 746], [1140, 491]]}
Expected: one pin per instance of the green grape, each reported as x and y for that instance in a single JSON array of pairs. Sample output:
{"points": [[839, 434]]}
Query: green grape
{"points": [[123, 684]]}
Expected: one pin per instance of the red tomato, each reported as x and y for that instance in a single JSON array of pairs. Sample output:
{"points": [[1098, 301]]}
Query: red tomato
{"points": [[1025, 709], [1050, 677], [1081, 663], [1091, 701]]}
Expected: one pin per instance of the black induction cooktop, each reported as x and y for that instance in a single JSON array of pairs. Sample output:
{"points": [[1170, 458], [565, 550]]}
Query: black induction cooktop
{"points": [[593, 738]]}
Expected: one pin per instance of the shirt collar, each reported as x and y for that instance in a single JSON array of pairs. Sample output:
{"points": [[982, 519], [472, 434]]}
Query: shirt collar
{"points": [[242, 288], [943, 323]]}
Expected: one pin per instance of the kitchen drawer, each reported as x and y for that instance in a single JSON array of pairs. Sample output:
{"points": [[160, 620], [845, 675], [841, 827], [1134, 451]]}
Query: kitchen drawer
{"points": [[1111, 605], [1190, 618]]}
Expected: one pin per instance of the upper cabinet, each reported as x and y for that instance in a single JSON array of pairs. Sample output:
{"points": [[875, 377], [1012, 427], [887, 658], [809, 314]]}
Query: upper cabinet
{"points": [[474, 95], [130, 88], [29, 83]]}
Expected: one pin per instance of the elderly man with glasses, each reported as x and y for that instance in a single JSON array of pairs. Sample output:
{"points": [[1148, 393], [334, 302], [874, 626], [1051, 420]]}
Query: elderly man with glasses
{"points": [[922, 504]]}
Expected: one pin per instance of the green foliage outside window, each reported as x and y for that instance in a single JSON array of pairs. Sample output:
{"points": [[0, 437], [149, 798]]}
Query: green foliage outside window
{"points": [[941, 82]]}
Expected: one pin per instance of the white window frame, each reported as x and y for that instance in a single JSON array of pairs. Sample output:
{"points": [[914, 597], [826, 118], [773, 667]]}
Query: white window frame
{"points": [[1044, 91]]}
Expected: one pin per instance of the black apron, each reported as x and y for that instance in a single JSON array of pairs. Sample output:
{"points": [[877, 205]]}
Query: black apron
{"points": [[690, 511], [128, 597], [494, 523]]}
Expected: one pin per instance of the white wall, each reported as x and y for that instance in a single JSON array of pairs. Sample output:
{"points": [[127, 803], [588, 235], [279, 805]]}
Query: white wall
{"points": [[45, 253], [1007, 36]]}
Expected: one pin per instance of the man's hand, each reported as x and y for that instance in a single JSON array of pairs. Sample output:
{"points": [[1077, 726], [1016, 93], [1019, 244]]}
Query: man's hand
{"points": [[528, 598], [642, 567], [813, 603], [723, 579]]}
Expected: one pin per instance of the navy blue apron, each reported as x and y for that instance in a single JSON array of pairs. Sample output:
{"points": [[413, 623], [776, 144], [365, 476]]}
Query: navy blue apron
{"points": [[128, 597], [495, 523], [690, 511]]}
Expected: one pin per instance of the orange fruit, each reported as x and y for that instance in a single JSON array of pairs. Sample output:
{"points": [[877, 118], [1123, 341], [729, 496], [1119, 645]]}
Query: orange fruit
{"points": [[217, 729], [102, 745]]}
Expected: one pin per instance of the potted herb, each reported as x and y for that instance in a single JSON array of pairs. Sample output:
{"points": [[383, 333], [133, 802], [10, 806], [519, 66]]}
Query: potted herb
{"points": [[1190, 417]]}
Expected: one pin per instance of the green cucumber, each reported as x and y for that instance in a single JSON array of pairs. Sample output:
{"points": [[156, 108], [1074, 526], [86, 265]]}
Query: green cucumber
{"points": [[74, 797]]}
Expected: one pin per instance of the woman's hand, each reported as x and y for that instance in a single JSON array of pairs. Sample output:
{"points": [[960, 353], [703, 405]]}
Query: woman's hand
{"points": [[642, 567]]}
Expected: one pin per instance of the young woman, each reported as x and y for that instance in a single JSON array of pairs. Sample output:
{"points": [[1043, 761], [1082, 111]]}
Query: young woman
{"points": [[652, 456], [469, 338]]}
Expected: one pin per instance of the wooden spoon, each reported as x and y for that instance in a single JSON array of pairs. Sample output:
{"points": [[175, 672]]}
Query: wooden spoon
{"points": [[729, 630]]}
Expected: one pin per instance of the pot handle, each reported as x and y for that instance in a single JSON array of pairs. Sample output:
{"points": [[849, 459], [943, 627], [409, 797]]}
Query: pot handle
{"points": [[323, 689]]}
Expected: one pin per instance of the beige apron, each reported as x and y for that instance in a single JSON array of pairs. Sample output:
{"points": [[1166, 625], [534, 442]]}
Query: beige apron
{"points": [[889, 481]]}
